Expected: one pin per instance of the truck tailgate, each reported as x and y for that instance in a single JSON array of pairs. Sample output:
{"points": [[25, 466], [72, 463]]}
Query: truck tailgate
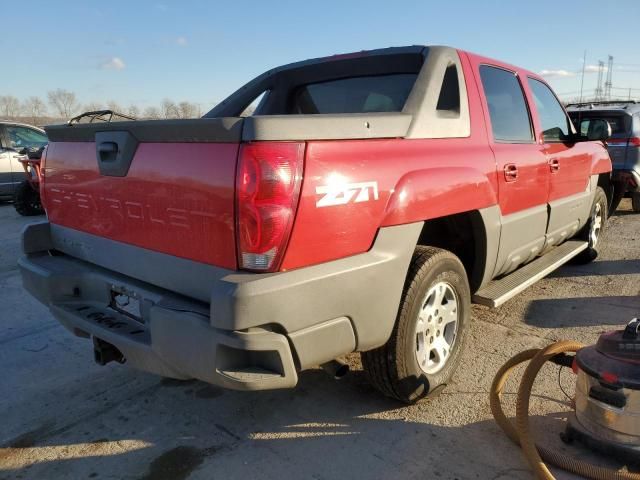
{"points": [[176, 196]]}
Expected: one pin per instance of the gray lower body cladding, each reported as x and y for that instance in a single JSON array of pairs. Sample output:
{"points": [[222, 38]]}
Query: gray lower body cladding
{"points": [[238, 330]]}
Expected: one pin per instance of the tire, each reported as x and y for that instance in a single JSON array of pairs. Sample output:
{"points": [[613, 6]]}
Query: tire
{"points": [[436, 281], [635, 202], [27, 201], [594, 230]]}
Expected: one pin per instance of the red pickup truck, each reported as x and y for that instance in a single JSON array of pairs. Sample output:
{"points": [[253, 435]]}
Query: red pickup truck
{"points": [[369, 199]]}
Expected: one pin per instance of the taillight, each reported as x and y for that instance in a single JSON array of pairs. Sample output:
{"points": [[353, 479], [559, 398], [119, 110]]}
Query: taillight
{"points": [[623, 142], [267, 189]]}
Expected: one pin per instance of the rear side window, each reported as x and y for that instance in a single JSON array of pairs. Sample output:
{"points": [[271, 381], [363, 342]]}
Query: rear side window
{"points": [[255, 106], [449, 99], [555, 124], [510, 121], [620, 125], [379, 93]]}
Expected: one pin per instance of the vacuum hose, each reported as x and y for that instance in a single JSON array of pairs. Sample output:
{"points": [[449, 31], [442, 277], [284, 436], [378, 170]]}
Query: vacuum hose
{"points": [[519, 431]]}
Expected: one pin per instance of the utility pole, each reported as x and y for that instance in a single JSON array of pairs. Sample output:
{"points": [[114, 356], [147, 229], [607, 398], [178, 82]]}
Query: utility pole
{"points": [[584, 63], [607, 83], [599, 92]]}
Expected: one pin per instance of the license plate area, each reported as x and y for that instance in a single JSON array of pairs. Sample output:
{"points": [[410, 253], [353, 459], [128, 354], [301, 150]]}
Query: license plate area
{"points": [[126, 302]]}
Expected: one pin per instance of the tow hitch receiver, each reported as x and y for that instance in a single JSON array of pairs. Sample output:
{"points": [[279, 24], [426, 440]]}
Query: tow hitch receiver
{"points": [[104, 352]]}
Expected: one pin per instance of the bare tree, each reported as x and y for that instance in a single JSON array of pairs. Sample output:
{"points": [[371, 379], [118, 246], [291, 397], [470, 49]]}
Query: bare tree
{"points": [[188, 110], [169, 109], [152, 113], [114, 106], [63, 101], [93, 106], [133, 111], [9, 106], [35, 108]]}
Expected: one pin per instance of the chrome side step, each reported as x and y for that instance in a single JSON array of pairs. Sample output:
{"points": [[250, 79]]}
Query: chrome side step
{"points": [[499, 291]]}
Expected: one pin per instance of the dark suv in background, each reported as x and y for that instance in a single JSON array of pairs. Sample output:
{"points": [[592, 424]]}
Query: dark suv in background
{"points": [[623, 146]]}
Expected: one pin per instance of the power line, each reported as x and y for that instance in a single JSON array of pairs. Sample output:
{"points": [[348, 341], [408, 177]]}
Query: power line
{"points": [[626, 88], [629, 64]]}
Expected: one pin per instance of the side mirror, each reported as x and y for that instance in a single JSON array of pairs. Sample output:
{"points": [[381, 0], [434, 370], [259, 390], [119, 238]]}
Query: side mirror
{"points": [[599, 129]]}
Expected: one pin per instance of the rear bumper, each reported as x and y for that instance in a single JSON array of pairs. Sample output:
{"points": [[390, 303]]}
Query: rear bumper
{"points": [[255, 332], [175, 338]]}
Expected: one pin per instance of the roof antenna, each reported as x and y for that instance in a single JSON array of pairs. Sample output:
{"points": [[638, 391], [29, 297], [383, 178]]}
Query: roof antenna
{"points": [[584, 63]]}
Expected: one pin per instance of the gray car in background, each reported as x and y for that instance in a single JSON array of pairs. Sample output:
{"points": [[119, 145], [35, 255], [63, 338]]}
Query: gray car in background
{"points": [[623, 145], [16, 140]]}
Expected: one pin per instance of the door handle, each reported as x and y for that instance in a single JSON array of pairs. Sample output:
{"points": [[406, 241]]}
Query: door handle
{"points": [[554, 165], [510, 172]]}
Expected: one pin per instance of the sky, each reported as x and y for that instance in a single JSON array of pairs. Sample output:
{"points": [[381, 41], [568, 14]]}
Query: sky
{"points": [[140, 52]]}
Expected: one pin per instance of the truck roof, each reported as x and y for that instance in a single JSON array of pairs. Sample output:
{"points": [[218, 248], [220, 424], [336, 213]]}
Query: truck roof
{"points": [[378, 52], [415, 59], [627, 106], [20, 124]]}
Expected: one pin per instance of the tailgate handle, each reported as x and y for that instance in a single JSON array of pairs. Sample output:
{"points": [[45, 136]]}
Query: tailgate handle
{"points": [[108, 151], [114, 152]]}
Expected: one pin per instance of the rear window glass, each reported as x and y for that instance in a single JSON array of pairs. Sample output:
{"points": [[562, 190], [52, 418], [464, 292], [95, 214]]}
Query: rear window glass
{"points": [[379, 93], [619, 124]]}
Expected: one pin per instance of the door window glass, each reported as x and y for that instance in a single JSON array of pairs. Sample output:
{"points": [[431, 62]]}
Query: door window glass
{"points": [[24, 137], [555, 123], [510, 121]]}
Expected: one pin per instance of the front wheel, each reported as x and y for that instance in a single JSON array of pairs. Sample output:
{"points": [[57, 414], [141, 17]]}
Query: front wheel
{"points": [[26, 200], [430, 330], [594, 229]]}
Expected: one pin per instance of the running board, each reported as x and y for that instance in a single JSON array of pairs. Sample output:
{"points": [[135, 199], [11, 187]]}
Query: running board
{"points": [[499, 291]]}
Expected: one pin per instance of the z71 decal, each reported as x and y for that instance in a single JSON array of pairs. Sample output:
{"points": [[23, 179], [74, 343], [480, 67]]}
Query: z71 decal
{"points": [[343, 194]]}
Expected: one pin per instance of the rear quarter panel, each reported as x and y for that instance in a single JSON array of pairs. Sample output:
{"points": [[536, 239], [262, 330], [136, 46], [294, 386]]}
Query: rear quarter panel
{"points": [[415, 180]]}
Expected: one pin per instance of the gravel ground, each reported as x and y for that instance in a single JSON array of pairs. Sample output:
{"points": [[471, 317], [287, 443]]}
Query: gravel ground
{"points": [[62, 416]]}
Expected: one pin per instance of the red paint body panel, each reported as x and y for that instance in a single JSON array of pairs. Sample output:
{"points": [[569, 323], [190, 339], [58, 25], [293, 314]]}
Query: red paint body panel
{"points": [[176, 199], [601, 161], [531, 186], [574, 168]]}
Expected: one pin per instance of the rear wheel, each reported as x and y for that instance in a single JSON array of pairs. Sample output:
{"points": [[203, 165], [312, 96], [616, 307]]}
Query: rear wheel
{"points": [[635, 202], [594, 229], [26, 200], [431, 327]]}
